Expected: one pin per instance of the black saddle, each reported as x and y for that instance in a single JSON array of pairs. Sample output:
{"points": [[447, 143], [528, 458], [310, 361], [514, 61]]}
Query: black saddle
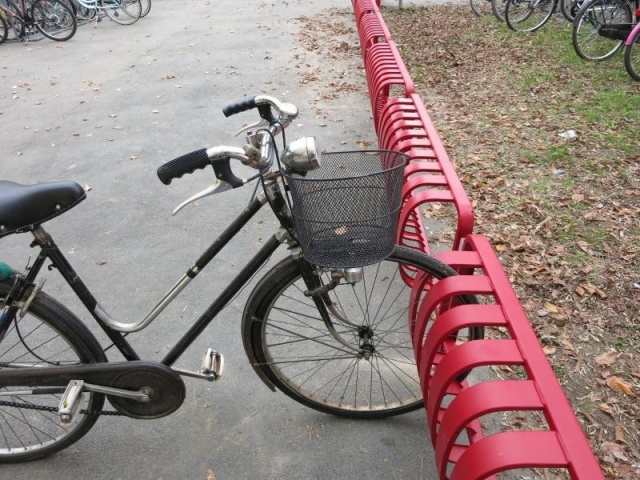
{"points": [[25, 207]]}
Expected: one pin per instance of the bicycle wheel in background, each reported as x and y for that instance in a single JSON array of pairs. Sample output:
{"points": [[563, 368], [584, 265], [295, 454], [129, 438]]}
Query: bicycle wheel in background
{"points": [[528, 15], [4, 28], [83, 14], [481, 7], [145, 5], [13, 21], [48, 334], [569, 9], [124, 12], [54, 19], [632, 55], [593, 15], [498, 7], [288, 342]]}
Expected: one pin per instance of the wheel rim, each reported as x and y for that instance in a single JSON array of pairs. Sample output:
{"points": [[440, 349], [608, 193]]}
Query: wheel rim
{"points": [[34, 427], [317, 366], [588, 43]]}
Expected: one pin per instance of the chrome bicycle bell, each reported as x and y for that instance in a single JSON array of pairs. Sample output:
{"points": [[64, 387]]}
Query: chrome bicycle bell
{"points": [[301, 155]]}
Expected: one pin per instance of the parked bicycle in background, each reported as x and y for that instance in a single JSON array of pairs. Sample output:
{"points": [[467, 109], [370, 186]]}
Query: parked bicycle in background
{"points": [[51, 18]]}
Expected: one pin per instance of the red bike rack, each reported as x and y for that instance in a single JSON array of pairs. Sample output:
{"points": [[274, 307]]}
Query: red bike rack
{"points": [[454, 409]]}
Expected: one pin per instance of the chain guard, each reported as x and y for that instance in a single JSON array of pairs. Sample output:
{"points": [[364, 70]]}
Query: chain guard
{"points": [[165, 388]]}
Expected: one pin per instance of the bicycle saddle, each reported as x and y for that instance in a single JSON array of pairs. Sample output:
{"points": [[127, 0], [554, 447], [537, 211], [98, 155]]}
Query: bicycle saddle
{"points": [[24, 207]]}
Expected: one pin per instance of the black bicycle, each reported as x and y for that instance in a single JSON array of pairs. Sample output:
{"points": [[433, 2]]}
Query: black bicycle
{"points": [[327, 325]]}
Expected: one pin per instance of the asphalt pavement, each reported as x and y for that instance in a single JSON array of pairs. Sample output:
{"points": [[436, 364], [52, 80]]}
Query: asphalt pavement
{"points": [[106, 109]]}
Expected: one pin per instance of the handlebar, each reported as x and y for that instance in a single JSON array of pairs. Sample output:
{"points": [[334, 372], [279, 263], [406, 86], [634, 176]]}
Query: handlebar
{"points": [[275, 115]]}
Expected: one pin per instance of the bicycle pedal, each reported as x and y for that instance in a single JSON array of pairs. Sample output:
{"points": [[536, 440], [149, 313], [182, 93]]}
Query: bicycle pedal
{"points": [[212, 364], [70, 401]]}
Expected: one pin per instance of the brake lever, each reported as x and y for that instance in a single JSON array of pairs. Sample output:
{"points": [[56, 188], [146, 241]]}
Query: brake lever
{"points": [[219, 187], [254, 126]]}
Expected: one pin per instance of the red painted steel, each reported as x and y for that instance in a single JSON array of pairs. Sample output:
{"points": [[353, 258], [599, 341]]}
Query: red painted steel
{"points": [[455, 408]]}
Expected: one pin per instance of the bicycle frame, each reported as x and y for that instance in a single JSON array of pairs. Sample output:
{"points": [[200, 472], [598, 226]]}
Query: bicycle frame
{"points": [[114, 330], [634, 33]]}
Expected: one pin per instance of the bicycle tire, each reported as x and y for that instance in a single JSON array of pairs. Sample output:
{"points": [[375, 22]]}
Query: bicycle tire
{"points": [[145, 8], [288, 343], [632, 55], [569, 9], [54, 20], [498, 7], [528, 15], [481, 8], [82, 13], [4, 28], [47, 334], [16, 20], [587, 42], [123, 12]]}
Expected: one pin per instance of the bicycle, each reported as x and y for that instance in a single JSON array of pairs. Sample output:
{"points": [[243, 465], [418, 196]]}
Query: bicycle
{"points": [[4, 27], [632, 51], [528, 15], [123, 12], [50, 17], [601, 27], [327, 325]]}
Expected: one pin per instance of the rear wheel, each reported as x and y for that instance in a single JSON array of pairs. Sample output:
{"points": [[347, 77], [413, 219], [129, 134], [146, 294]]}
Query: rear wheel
{"points": [[374, 374], [48, 334], [124, 12], [593, 15], [632, 56], [54, 19]]}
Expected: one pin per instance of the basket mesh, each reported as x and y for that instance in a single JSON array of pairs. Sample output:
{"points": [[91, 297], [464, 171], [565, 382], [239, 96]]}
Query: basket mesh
{"points": [[346, 212]]}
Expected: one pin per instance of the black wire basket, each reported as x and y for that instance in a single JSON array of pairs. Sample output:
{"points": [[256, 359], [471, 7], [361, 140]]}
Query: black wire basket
{"points": [[346, 212]]}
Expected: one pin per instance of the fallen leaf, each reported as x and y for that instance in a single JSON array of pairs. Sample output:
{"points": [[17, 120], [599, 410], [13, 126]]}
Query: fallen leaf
{"points": [[607, 358], [618, 384], [612, 452], [606, 408], [211, 474]]}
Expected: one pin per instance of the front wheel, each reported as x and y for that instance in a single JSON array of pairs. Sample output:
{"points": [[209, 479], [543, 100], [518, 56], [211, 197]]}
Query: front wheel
{"points": [[54, 19], [48, 334], [632, 55], [124, 12], [374, 375]]}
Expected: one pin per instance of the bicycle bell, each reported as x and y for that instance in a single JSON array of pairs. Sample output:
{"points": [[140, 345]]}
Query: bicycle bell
{"points": [[301, 155]]}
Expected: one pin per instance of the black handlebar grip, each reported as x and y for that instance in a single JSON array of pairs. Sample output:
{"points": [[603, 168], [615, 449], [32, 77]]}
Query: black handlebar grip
{"points": [[187, 163], [241, 106]]}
